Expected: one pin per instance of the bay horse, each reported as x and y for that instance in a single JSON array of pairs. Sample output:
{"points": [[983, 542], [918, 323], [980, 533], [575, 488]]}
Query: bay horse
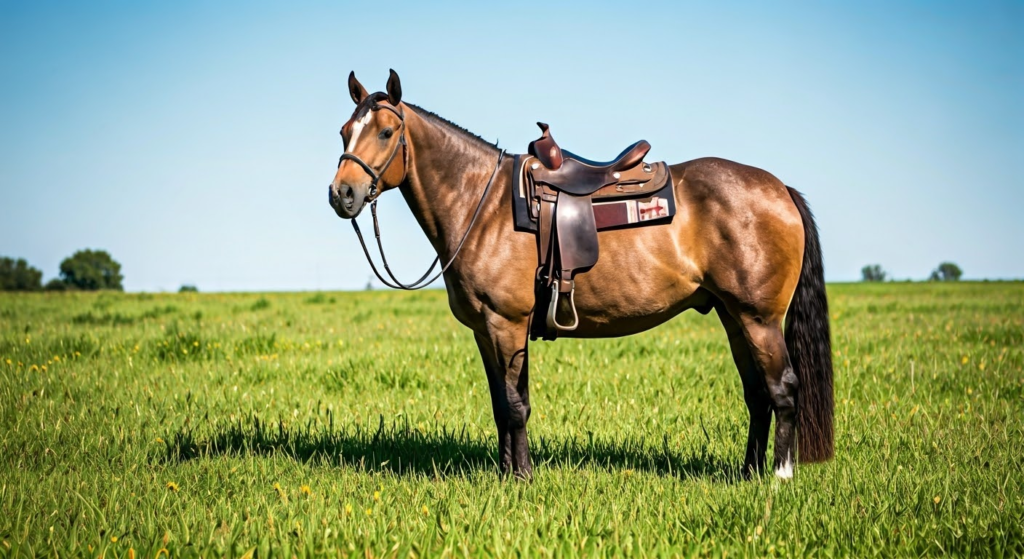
{"points": [[742, 243]]}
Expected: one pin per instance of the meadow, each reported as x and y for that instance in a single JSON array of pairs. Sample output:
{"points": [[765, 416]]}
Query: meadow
{"points": [[133, 425]]}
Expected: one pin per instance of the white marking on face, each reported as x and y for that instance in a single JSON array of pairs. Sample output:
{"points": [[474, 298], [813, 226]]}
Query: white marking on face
{"points": [[357, 127], [785, 471]]}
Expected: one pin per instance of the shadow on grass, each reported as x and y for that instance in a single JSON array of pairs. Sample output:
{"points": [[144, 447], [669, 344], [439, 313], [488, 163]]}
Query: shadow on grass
{"points": [[405, 450]]}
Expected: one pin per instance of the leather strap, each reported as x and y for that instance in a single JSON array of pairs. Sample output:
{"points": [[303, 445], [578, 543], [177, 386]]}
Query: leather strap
{"points": [[374, 175], [422, 281]]}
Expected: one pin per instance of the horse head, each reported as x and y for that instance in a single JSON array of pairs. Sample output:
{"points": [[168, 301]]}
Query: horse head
{"points": [[376, 152]]}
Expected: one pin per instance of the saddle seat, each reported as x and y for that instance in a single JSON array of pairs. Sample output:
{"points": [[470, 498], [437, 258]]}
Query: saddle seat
{"points": [[570, 199], [567, 172], [628, 158]]}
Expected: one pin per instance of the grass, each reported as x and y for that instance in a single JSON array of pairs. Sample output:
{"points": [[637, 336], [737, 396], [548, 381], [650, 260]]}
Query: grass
{"points": [[360, 424]]}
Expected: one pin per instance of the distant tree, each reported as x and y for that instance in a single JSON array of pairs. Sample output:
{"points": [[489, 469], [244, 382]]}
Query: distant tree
{"points": [[56, 284], [188, 288], [947, 271], [17, 275], [873, 272], [91, 270]]}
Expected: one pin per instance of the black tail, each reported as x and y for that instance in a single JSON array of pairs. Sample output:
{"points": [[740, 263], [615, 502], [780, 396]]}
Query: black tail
{"points": [[810, 347]]}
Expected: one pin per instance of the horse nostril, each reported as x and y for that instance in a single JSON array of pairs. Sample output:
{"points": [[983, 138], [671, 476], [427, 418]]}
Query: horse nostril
{"points": [[348, 193]]}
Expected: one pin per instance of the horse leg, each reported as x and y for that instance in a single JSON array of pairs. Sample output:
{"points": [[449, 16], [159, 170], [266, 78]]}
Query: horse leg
{"points": [[499, 401], [768, 347], [504, 350], [755, 393]]}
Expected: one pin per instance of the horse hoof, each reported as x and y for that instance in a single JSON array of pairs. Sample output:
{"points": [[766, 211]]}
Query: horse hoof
{"points": [[523, 475]]}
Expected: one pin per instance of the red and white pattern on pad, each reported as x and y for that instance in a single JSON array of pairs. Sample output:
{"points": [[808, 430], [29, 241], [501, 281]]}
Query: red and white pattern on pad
{"points": [[625, 212], [652, 209]]}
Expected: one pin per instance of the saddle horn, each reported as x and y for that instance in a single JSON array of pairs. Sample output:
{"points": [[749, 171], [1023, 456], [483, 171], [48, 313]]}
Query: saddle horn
{"points": [[545, 149]]}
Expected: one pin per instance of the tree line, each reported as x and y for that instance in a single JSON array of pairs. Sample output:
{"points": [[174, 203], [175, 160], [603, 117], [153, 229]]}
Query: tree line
{"points": [[86, 270], [947, 271]]}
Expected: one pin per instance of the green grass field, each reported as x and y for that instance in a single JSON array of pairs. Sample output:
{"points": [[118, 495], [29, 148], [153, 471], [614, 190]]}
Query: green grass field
{"points": [[360, 424]]}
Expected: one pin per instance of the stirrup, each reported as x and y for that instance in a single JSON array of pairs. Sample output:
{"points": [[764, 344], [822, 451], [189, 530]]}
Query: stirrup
{"points": [[552, 321]]}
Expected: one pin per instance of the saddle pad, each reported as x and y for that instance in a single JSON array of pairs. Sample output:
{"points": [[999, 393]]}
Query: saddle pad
{"points": [[648, 208]]}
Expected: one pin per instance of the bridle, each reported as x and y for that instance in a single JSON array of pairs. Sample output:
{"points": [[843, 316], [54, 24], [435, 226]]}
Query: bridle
{"points": [[375, 193], [374, 175]]}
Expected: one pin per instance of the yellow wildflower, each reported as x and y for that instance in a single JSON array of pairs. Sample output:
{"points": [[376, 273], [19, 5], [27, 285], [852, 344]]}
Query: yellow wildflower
{"points": [[369, 512], [937, 499], [348, 509], [113, 539], [425, 511], [376, 496], [305, 490], [172, 486]]}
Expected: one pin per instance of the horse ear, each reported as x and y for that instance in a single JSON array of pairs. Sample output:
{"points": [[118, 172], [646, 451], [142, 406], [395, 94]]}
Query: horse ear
{"points": [[394, 89], [356, 89]]}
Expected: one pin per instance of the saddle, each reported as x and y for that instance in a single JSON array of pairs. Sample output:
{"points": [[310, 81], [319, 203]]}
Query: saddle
{"points": [[566, 199]]}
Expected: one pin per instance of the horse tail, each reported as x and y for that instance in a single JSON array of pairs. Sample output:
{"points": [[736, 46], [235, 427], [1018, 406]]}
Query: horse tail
{"points": [[809, 342]]}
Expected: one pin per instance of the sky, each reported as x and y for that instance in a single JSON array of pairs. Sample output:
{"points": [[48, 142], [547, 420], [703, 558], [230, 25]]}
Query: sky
{"points": [[195, 140]]}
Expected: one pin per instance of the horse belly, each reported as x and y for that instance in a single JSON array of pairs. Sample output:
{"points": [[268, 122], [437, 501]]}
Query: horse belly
{"points": [[639, 282]]}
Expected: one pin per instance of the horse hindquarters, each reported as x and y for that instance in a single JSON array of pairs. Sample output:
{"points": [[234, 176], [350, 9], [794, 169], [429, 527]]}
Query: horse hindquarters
{"points": [[791, 372]]}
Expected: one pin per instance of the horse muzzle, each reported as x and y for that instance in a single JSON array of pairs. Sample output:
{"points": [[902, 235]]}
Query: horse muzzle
{"points": [[346, 200]]}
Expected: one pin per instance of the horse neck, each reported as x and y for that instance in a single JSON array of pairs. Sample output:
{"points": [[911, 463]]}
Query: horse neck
{"points": [[448, 174]]}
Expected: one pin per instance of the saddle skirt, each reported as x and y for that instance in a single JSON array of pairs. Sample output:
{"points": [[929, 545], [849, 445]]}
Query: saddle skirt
{"points": [[566, 206]]}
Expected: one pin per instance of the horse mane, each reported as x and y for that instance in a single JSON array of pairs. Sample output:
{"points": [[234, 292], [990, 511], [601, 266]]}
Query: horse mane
{"points": [[437, 119]]}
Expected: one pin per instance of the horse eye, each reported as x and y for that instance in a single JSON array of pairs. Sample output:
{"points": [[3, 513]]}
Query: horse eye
{"points": [[386, 134]]}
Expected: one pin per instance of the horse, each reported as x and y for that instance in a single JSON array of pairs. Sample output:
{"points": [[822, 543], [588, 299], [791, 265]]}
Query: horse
{"points": [[741, 243]]}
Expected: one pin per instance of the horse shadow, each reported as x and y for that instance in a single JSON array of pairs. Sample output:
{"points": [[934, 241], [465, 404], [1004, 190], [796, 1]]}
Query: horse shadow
{"points": [[440, 452]]}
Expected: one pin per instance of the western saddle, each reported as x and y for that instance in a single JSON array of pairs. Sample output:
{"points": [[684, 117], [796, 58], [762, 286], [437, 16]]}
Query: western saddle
{"points": [[566, 199]]}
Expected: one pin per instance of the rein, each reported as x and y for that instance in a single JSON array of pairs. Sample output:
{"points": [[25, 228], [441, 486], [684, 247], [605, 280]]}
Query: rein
{"points": [[374, 194]]}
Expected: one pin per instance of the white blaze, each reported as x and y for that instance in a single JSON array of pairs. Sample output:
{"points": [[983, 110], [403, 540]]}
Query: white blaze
{"points": [[357, 127]]}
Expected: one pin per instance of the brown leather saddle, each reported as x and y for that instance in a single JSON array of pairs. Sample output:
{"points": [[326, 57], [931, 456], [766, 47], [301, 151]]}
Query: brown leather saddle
{"points": [[566, 200]]}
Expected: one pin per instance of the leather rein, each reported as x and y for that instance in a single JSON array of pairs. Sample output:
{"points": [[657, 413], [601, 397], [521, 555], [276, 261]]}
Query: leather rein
{"points": [[375, 193]]}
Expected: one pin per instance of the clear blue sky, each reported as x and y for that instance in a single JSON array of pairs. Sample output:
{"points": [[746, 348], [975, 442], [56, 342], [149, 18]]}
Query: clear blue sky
{"points": [[195, 140]]}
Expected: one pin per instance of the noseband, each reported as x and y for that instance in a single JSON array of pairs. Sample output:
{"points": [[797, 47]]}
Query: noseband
{"points": [[375, 193]]}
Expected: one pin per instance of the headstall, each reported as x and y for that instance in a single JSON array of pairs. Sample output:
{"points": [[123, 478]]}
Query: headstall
{"points": [[375, 192]]}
